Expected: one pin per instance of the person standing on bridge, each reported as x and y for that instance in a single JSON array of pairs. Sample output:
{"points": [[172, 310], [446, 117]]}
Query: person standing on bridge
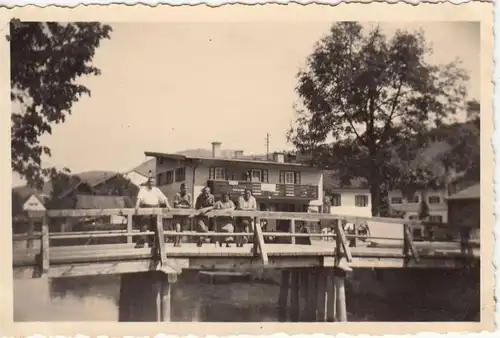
{"points": [[149, 196], [204, 203], [247, 203], [224, 223], [182, 200]]}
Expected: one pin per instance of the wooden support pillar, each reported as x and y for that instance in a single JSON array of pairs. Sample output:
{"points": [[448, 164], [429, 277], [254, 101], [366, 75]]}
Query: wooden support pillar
{"points": [[311, 302], [331, 297], [145, 296], [322, 297], [340, 299], [294, 297], [304, 294], [283, 296]]}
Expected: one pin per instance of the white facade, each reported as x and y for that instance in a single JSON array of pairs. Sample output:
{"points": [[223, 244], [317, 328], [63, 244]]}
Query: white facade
{"points": [[33, 204], [436, 201], [351, 202], [136, 178]]}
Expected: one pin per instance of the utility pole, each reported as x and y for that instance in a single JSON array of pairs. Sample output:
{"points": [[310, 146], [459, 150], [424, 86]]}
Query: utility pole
{"points": [[267, 146]]}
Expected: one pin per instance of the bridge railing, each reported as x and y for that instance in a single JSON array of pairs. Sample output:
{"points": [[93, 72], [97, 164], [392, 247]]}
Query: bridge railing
{"points": [[344, 241]]}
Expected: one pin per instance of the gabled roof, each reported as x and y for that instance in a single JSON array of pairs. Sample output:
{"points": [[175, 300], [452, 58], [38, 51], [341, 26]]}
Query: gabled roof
{"points": [[102, 202], [92, 178], [472, 192], [145, 167], [24, 192]]}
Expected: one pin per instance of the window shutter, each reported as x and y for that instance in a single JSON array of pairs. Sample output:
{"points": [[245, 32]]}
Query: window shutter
{"points": [[297, 177], [211, 174], [265, 176], [282, 177], [226, 174]]}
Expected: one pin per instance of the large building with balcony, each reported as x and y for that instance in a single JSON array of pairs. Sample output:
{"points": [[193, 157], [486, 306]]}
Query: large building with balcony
{"points": [[277, 184]]}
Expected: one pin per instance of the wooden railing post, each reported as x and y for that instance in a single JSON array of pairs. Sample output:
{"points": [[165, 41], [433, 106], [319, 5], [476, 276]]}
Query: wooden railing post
{"points": [[258, 242], [159, 242], [130, 227], [409, 249], [292, 229], [45, 246], [30, 232], [341, 246], [465, 246]]}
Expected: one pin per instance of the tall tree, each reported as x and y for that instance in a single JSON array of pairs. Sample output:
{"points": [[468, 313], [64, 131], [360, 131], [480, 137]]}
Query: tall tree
{"points": [[370, 88], [46, 61]]}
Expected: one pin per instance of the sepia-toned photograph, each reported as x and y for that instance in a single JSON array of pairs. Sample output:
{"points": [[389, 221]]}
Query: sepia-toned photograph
{"points": [[247, 171]]}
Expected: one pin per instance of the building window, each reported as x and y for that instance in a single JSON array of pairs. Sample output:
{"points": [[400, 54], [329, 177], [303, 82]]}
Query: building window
{"points": [[180, 174], [265, 176], [396, 200], [289, 177], [434, 199], [256, 175], [159, 179], [169, 177], [336, 200], [436, 218], [218, 173], [413, 217], [414, 199], [361, 200]]}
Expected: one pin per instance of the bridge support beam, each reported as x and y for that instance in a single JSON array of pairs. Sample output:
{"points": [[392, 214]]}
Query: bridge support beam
{"points": [[340, 299], [310, 295], [145, 297]]}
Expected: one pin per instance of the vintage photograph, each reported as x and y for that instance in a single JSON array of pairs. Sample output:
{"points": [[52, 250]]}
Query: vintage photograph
{"points": [[270, 171]]}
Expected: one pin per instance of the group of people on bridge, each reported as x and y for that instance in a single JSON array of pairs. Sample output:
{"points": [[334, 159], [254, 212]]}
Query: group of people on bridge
{"points": [[150, 196]]}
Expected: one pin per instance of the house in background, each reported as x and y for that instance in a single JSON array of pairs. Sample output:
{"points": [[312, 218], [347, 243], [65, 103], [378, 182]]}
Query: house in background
{"points": [[139, 175], [276, 184], [347, 199], [26, 199], [409, 208], [464, 208]]}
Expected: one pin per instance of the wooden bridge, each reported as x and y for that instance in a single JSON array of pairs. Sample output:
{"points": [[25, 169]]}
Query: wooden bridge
{"points": [[307, 269]]}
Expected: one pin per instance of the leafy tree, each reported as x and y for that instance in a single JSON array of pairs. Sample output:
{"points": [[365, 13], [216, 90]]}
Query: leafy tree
{"points": [[47, 58], [369, 89]]}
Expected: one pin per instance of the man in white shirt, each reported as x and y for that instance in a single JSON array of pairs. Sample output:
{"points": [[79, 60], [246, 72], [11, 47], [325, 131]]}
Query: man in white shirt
{"points": [[149, 196], [248, 203]]}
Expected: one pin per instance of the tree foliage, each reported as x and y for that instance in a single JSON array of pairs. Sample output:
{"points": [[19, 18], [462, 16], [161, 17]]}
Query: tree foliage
{"points": [[370, 91], [46, 61]]}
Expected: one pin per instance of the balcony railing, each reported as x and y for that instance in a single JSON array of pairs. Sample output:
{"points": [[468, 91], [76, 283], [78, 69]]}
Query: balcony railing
{"points": [[265, 190]]}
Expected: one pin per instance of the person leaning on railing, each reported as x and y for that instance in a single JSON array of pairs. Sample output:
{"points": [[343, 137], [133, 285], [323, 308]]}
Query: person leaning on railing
{"points": [[182, 200], [224, 223], [204, 203], [247, 203], [149, 196]]}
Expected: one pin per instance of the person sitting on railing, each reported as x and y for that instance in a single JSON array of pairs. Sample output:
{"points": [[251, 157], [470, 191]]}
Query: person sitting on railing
{"points": [[182, 200], [248, 203], [225, 223], [204, 203], [149, 196]]}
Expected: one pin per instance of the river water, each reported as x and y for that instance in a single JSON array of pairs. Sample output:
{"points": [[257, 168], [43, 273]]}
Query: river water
{"points": [[370, 298]]}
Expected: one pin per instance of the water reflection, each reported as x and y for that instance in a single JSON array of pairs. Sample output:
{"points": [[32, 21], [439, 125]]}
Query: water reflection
{"points": [[439, 296]]}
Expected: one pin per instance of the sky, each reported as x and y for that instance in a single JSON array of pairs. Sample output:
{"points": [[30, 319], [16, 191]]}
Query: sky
{"points": [[168, 87]]}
